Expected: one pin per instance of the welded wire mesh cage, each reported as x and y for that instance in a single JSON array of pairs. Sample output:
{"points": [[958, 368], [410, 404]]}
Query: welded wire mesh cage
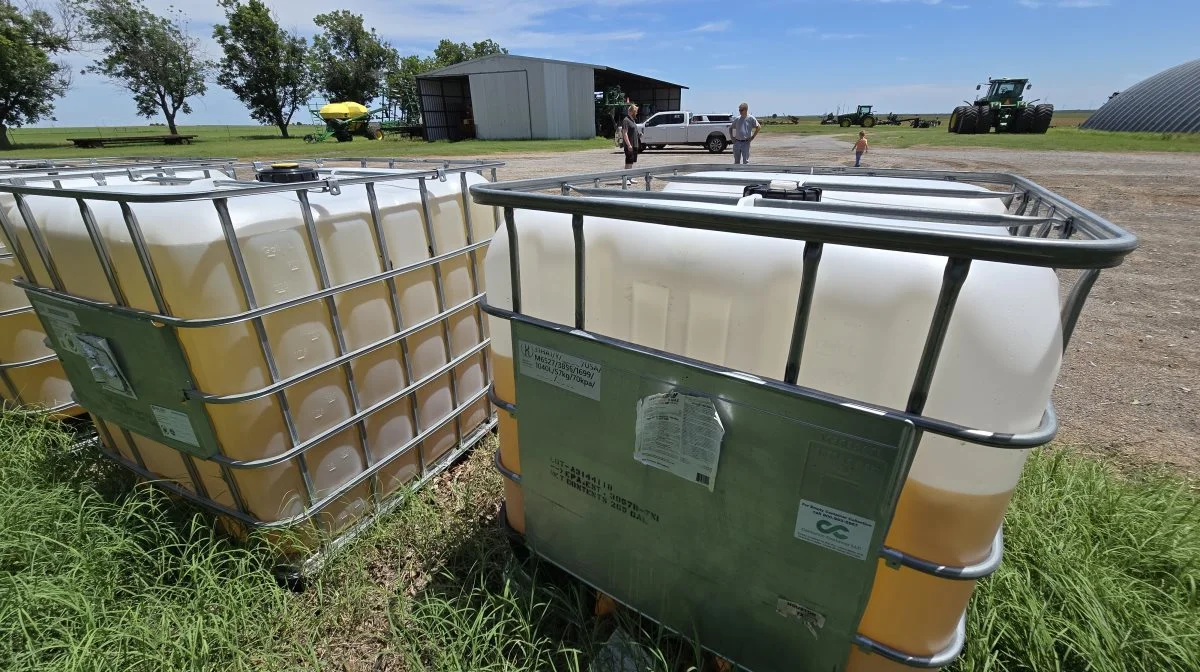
{"points": [[351, 298], [1033, 227], [30, 376]]}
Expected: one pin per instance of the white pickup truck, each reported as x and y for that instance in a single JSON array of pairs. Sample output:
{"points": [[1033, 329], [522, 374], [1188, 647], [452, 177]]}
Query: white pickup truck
{"points": [[710, 131]]}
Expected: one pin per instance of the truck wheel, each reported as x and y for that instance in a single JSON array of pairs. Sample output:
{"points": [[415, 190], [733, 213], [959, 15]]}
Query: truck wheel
{"points": [[1042, 115], [844, 123], [716, 143], [868, 121], [983, 123]]}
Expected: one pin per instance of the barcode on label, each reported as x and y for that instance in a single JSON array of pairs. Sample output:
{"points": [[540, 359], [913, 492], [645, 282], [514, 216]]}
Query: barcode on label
{"points": [[702, 479]]}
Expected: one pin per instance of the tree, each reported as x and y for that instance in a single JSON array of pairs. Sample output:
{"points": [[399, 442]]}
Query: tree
{"points": [[152, 56], [264, 66], [352, 61], [449, 53], [402, 80], [29, 80]]}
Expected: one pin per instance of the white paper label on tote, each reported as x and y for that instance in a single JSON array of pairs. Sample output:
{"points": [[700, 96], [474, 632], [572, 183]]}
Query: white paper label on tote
{"points": [[834, 530], [679, 433], [561, 370], [175, 425]]}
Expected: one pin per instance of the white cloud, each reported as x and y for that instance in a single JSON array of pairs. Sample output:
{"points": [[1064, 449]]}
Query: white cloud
{"points": [[802, 30], [714, 27], [960, 6], [1032, 4], [841, 36]]}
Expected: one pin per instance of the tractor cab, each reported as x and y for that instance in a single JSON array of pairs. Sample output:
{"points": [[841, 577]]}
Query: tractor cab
{"points": [[864, 109], [1003, 91]]}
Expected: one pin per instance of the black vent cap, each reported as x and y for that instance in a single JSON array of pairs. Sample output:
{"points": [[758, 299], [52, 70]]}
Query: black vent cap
{"points": [[284, 173], [797, 193]]}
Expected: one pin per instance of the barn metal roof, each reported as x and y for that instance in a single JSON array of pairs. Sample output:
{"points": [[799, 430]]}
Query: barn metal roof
{"points": [[497, 62], [1168, 102]]}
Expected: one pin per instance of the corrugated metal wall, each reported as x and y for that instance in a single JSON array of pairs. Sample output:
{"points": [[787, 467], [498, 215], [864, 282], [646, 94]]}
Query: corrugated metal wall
{"points": [[557, 100], [444, 103], [500, 101], [1168, 102], [581, 89]]}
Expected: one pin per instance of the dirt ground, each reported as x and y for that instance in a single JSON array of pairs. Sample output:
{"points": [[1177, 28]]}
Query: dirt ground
{"points": [[1129, 388]]}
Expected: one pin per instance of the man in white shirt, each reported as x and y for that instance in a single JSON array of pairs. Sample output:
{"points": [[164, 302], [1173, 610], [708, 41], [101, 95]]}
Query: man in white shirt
{"points": [[743, 131]]}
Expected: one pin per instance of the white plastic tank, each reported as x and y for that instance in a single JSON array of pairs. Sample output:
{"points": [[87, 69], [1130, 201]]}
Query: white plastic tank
{"points": [[730, 299], [42, 385], [198, 280]]}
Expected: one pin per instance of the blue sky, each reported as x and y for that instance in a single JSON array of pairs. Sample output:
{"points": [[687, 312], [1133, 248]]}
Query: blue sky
{"points": [[796, 57]]}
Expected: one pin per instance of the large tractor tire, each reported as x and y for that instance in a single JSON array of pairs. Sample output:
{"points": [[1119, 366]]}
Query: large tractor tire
{"points": [[868, 121], [969, 121], [1024, 120], [955, 119], [1042, 115], [844, 122], [983, 122]]}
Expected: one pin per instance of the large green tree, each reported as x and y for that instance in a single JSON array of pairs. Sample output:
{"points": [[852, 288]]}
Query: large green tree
{"points": [[352, 61], [30, 80], [263, 65], [152, 56], [402, 80]]}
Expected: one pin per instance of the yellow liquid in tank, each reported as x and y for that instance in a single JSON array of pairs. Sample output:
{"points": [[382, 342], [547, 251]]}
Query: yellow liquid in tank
{"points": [[912, 611], [504, 376], [200, 281]]}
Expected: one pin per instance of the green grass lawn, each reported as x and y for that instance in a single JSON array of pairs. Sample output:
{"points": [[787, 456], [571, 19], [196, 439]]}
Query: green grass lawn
{"points": [[1064, 134], [262, 142], [1101, 574]]}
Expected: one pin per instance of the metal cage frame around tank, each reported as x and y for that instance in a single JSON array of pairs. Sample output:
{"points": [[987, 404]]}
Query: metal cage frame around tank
{"points": [[98, 170], [1047, 230], [328, 182]]}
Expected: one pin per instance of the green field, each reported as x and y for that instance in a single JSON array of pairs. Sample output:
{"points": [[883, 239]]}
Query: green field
{"points": [[1101, 574], [263, 142], [1064, 134]]}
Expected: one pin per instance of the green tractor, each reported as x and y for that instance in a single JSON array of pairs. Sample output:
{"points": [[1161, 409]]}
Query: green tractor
{"points": [[860, 117], [1002, 108]]}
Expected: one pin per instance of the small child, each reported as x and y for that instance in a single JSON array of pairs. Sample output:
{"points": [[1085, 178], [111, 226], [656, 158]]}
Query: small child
{"points": [[860, 148]]}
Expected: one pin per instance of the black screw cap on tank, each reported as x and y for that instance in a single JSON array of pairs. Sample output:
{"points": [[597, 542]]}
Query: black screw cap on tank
{"points": [[285, 173], [797, 193]]}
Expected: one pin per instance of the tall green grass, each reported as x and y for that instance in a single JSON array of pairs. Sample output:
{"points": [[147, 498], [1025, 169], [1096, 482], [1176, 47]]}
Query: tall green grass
{"points": [[1102, 574], [97, 575]]}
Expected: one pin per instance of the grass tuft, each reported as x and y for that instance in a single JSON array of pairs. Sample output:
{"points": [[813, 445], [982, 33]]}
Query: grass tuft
{"points": [[1101, 574]]}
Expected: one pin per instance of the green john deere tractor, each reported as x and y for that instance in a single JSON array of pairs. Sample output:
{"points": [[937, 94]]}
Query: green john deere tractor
{"points": [[860, 117], [1002, 108]]}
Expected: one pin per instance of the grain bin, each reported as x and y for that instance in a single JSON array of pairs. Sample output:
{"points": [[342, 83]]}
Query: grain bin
{"points": [[278, 351], [786, 427]]}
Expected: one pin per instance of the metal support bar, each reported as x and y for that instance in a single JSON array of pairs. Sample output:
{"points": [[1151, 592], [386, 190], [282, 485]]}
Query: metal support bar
{"points": [[580, 270], [808, 283], [952, 282]]}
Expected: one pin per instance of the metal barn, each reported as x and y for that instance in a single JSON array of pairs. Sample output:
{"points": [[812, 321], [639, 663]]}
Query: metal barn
{"points": [[507, 97]]}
